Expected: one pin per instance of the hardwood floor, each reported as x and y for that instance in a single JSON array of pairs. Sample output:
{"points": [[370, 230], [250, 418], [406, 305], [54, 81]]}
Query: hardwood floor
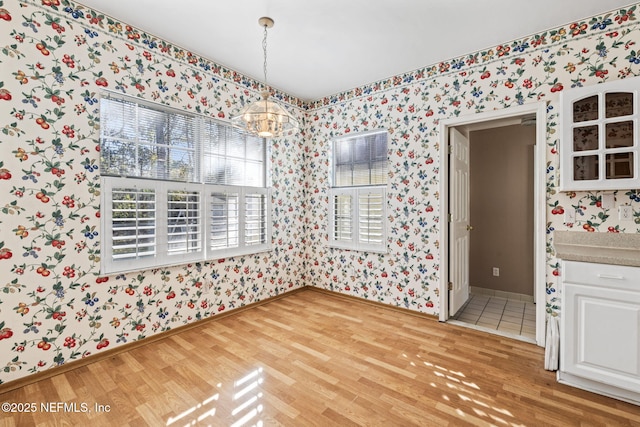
{"points": [[318, 359]]}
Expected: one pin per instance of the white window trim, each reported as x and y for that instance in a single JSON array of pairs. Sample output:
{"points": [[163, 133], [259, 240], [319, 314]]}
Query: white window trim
{"points": [[354, 192], [163, 259], [567, 153], [108, 182], [354, 243]]}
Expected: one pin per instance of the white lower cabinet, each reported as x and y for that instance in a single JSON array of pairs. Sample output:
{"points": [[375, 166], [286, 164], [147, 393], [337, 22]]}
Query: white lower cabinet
{"points": [[600, 329]]}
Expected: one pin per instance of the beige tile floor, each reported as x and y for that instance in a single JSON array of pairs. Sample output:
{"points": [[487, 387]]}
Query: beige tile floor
{"points": [[504, 315]]}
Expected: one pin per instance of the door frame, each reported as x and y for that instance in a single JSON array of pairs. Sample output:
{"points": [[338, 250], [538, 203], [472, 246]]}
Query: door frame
{"points": [[515, 114]]}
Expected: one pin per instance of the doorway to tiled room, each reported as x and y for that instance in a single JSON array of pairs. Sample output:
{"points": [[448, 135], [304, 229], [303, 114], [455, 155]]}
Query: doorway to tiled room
{"points": [[500, 229], [501, 241], [513, 317]]}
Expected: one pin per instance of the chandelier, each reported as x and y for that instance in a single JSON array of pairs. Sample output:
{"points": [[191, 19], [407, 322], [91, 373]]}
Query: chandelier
{"points": [[265, 118]]}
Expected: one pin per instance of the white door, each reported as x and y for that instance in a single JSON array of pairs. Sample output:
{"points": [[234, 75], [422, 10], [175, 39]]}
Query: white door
{"points": [[459, 226]]}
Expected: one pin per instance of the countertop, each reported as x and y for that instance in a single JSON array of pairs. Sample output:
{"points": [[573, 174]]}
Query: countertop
{"points": [[601, 248]]}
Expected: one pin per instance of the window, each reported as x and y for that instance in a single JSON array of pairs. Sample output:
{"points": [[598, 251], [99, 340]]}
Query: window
{"points": [[140, 140], [357, 198], [238, 220], [600, 148], [178, 187]]}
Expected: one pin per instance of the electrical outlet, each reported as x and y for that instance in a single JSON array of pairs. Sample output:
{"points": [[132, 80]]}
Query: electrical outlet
{"points": [[570, 216], [625, 213], [607, 201], [496, 271]]}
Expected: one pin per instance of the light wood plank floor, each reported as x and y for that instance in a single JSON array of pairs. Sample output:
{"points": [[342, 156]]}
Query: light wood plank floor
{"points": [[317, 359]]}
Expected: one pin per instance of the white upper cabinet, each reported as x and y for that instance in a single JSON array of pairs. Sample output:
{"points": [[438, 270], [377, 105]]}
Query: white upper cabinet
{"points": [[599, 149]]}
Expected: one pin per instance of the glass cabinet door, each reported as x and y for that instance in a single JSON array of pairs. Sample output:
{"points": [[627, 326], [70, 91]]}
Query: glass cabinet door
{"points": [[599, 150]]}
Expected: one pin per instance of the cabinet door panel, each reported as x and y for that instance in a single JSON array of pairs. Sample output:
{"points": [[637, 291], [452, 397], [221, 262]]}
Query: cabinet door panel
{"points": [[603, 335]]}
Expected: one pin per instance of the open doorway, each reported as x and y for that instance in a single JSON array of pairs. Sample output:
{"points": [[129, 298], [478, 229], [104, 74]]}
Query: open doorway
{"points": [[494, 189], [501, 238]]}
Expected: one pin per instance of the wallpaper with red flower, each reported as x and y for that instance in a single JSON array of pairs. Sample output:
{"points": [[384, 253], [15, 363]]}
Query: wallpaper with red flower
{"points": [[58, 56], [411, 106]]}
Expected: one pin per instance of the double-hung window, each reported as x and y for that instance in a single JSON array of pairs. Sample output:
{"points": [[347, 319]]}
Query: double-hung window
{"points": [[177, 187], [357, 198]]}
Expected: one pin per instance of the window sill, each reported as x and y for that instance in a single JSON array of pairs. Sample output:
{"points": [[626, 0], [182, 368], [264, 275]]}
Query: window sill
{"points": [[211, 259], [356, 248]]}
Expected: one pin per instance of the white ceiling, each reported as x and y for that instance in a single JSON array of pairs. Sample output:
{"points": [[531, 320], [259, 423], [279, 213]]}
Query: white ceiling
{"points": [[320, 48]]}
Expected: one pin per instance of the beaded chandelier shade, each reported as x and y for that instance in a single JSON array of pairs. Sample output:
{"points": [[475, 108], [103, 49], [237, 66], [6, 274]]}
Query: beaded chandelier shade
{"points": [[265, 118]]}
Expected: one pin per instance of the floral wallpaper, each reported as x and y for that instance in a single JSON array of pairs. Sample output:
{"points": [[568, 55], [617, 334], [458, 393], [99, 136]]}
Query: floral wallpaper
{"points": [[411, 106], [56, 58]]}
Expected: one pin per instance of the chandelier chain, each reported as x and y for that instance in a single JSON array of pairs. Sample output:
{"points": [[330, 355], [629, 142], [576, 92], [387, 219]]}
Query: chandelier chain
{"points": [[264, 49]]}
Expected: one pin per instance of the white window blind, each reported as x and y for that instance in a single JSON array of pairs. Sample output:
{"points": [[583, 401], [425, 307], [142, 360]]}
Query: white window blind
{"points": [[133, 222], [343, 216], [225, 221], [255, 226], [370, 216], [232, 158], [357, 198], [184, 222], [358, 218], [238, 220], [150, 223], [139, 141], [360, 160], [178, 187]]}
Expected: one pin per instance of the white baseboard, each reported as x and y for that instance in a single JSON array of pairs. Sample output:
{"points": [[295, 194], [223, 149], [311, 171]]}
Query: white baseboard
{"points": [[500, 294], [598, 387]]}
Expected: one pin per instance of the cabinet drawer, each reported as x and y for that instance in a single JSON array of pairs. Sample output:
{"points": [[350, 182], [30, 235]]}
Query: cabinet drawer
{"points": [[605, 275]]}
